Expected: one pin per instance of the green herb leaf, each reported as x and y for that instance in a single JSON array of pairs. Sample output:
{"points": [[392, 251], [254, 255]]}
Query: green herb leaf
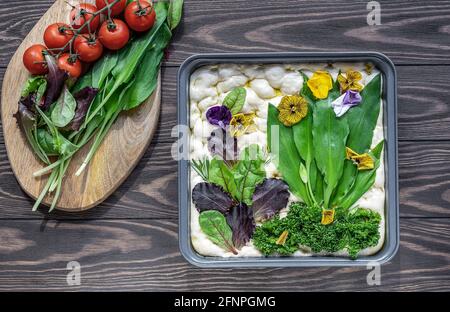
{"points": [[362, 120], [235, 100], [285, 154], [175, 13], [221, 174], [103, 68], [46, 141], [64, 110], [215, 226], [364, 180], [83, 82], [330, 135], [32, 84], [303, 173], [146, 75], [132, 54], [249, 172]]}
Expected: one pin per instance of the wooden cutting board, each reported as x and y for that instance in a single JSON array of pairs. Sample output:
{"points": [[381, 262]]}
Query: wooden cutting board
{"points": [[119, 153]]}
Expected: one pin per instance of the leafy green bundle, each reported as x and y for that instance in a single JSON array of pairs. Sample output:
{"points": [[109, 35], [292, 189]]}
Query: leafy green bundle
{"points": [[239, 195], [59, 116]]}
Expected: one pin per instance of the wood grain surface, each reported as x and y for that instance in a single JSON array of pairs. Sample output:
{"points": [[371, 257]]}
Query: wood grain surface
{"points": [[130, 241], [115, 158]]}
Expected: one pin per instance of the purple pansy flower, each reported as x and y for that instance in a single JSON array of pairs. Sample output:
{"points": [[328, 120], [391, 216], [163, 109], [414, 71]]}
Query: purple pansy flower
{"points": [[347, 100], [219, 116]]}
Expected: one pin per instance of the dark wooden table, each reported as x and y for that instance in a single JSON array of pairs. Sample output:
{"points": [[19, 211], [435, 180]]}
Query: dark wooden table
{"points": [[130, 241]]}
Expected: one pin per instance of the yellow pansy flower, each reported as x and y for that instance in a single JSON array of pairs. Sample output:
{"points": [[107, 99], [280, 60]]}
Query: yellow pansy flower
{"points": [[320, 84], [350, 81], [242, 123], [363, 161], [293, 108], [327, 216]]}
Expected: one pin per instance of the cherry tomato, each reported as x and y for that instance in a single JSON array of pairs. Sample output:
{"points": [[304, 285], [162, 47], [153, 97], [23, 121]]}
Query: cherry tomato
{"points": [[116, 8], [57, 36], [88, 48], [140, 15], [34, 60], [71, 64], [114, 35], [83, 13]]}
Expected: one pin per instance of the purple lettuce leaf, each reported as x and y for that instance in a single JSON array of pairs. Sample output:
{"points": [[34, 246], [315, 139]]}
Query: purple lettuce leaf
{"points": [[207, 196], [219, 116], [223, 144], [269, 198], [84, 98], [241, 221], [55, 82]]}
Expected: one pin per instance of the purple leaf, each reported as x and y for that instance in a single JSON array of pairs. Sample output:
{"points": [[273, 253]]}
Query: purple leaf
{"points": [[269, 198], [207, 196], [219, 116], [55, 82], [241, 221], [223, 144], [84, 98]]}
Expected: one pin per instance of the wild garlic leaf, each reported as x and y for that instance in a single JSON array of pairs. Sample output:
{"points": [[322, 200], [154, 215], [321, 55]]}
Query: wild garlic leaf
{"points": [[64, 110], [235, 100], [362, 120], [131, 56], [215, 226], [330, 135], [103, 68], [175, 13], [148, 71], [285, 154], [364, 179]]}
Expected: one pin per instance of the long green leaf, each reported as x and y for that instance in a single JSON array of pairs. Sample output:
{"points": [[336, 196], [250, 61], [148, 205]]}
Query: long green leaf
{"points": [[146, 75], [175, 13], [285, 154], [330, 135], [103, 68], [364, 180], [362, 120]]}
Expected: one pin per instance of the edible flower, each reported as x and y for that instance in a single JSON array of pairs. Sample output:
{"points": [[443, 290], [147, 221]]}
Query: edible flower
{"points": [[242, 123], [368, 68], [293, 108], [350, 80], [282, 239], [219, 116], [363, 161], [320, 84], [343, 103], [327, 216]]}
